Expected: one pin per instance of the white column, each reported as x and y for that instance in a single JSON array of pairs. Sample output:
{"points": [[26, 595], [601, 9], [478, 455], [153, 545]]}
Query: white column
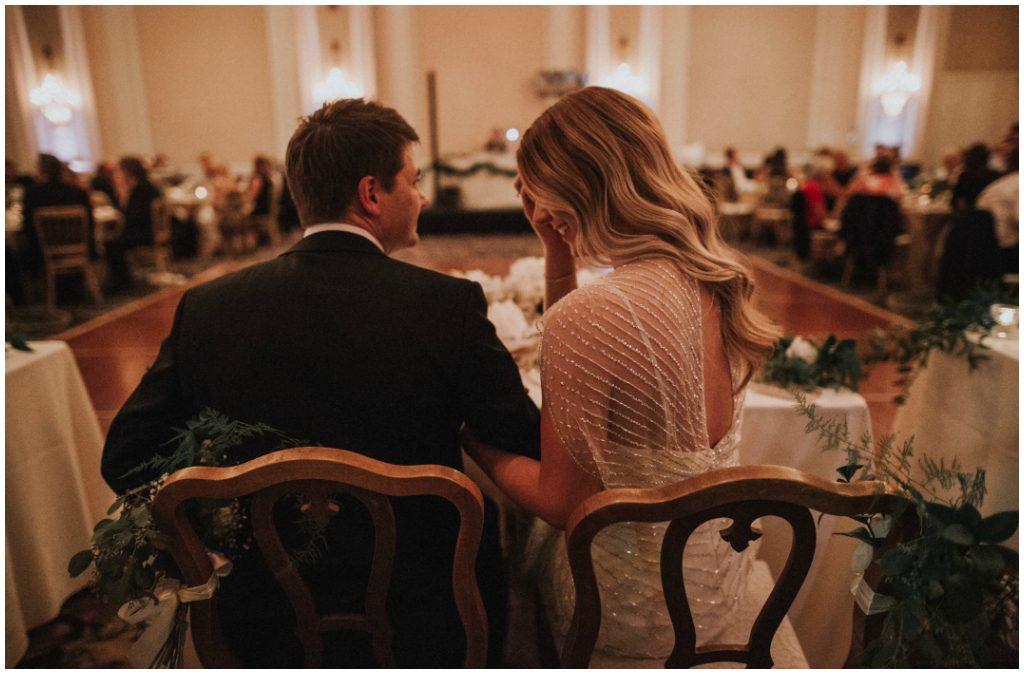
{"points": [[563, 38], [932, 24], [307, 50], [872, 65], [119, 50], [284, 70], [83, 123], [400, 83], [20, 77], [649, 54], [675, 73], [598, 43], [361, 57]]}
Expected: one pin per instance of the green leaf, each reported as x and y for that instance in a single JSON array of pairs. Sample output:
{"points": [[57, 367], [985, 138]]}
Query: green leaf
{"points": [[987, 560], [963, 598], [997, 528], [959, 534], [116, 505], [861, 534], [895, 562], [914, 617], [849, 471], [940, 512], [969, 516], [80, 562]]}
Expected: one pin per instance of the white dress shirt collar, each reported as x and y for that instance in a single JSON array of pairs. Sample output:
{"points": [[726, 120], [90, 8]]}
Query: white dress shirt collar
{"points": [[342, 227]]}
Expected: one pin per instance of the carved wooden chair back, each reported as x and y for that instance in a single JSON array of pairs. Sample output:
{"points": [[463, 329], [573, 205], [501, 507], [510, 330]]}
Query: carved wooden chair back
{"points": [[318, 474], [63, 234], [741, 494]]}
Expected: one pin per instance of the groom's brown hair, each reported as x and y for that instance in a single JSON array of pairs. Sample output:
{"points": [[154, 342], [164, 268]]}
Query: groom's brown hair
{"points": [[338, 145]]}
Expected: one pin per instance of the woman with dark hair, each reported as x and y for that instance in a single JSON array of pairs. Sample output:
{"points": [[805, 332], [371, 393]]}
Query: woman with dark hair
{"points": [[643, 372], [261, 187], [976, 176], [136, 205]]}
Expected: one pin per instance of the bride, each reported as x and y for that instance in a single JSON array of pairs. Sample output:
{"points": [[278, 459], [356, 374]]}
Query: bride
{"points": [[643, 372]]}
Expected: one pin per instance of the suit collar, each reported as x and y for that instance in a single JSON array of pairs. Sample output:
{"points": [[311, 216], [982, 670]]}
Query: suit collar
{"points": [[332, 241]]}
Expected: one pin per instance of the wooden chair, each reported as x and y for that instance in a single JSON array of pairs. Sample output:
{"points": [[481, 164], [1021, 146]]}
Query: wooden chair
{"points": [[319, 473], [158, 254], [742, 494], [63, 233]]}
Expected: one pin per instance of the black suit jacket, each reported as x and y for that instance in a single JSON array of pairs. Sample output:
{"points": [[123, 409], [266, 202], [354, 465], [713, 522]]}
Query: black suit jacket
{"points": [[337, 343]]}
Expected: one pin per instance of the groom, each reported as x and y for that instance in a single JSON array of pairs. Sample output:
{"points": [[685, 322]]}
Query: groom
{"points": [[337, 343]]}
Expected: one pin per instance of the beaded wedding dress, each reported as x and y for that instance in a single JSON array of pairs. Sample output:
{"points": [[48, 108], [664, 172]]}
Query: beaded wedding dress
{"points": [[622, 378]]}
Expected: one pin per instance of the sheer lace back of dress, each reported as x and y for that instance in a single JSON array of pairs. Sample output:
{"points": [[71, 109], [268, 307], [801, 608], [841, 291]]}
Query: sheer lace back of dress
{"points": [[623, 376]]}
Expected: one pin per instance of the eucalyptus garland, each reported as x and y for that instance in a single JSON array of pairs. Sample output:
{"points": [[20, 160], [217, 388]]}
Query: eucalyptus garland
{"points": [[797, 363], [449, 170], [955, 327]]}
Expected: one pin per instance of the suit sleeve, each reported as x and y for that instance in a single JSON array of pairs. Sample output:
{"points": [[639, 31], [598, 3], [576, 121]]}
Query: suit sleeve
{"points": [[147, 421], [494, 402]]}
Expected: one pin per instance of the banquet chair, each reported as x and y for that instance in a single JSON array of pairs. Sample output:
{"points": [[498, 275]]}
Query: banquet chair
{"points": [[870, 225], [322, 475], [63, 234], [742, 494], [157, 254]]}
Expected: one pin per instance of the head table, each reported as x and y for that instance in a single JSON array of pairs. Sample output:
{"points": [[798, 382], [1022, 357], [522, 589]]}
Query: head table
{"points": [[54, 493]]}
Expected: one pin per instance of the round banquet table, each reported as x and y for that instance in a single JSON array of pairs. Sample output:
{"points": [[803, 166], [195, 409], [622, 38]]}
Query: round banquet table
{"points": [[54, 493]]}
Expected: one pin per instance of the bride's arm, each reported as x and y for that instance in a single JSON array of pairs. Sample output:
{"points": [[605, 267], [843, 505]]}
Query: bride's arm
{"points": [[550, 488]]}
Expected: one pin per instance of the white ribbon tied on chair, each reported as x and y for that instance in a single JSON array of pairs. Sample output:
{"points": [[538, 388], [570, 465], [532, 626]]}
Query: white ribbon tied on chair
{"points": [[158, 616]]}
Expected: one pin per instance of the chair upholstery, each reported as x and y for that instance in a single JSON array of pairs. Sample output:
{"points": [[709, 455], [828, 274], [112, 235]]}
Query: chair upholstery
{"points": [[870, 224], [63, 234], [742, 494], [970, 255], [319, 474]]}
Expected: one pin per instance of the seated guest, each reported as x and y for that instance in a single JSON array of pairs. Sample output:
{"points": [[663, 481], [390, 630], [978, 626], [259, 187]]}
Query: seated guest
{"points": [[49, 189], [881, 178], [1002, 199], [136, 207], [261, 187], [740, 182], [337, 342], [975, 177], [104, 181]]}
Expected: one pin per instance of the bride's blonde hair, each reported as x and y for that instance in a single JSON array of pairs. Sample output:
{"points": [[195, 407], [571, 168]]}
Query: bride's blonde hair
{"points": [[602, 156]]}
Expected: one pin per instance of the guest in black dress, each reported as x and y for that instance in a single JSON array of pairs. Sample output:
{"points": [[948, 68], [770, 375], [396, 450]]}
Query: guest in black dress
{"points": [[138, 220]]}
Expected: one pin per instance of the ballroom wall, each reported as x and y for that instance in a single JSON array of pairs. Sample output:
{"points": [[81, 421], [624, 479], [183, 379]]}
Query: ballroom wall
{"points": [[187, 79]]}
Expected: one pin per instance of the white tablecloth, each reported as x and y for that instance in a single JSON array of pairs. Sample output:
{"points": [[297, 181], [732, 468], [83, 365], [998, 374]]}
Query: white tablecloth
{"points": [[54, 493], [773, 434], [484, 190], [973, 416]]}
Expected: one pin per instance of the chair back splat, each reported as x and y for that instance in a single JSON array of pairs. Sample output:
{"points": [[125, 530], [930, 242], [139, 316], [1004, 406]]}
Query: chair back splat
{"points": [[741, 494], [319, 475]]}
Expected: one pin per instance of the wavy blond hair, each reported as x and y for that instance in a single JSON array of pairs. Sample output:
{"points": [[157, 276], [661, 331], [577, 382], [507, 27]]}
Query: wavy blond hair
{"points": [[602, 156]]}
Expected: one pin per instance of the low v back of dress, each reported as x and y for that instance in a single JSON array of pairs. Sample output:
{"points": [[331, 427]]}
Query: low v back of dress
{"points": [[623, 382]]}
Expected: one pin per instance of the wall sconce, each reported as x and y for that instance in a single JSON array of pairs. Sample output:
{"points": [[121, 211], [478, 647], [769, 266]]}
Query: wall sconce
{"points": [[52, 97], [896, 87], [623, 78], [336, 84]]}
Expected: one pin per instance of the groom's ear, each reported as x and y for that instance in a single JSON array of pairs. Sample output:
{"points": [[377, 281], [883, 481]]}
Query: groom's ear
{"points": [[369, 195]]}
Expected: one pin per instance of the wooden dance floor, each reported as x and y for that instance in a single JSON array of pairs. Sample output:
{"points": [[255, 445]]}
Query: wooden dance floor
{"points": [[114, 351]]}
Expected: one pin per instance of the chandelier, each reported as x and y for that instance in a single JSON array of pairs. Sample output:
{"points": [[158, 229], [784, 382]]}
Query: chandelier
{"points": [[336, 85], [52, 97], [895, 88]]}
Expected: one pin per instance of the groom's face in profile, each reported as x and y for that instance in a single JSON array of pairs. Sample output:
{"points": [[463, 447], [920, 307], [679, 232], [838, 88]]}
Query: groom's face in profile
{"points": [[400, 207]]}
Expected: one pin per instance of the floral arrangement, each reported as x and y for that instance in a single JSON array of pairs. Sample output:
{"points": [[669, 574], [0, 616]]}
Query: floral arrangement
{"points": [[953, 589], [129, 556], [799, 363], [958, 328]]}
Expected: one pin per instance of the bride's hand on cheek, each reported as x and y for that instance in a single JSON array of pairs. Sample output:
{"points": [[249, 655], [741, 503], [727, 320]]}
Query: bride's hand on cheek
{"points": [[540, 219]]}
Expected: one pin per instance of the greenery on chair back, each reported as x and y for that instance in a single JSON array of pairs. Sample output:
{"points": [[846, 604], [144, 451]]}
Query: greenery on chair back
{"points": [[947, 327], [953, 598], [130, 556]]}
